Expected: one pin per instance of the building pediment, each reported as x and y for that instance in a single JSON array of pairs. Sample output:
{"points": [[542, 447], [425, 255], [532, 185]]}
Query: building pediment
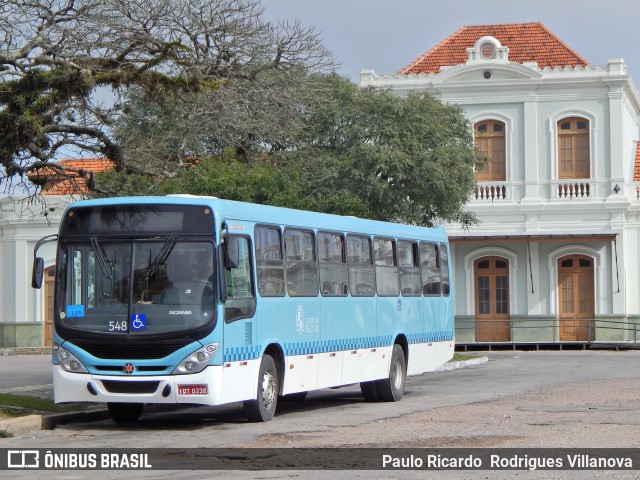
{"points": [[488, 71]]}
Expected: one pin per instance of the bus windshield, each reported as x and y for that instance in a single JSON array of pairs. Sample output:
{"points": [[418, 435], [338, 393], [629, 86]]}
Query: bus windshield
{"points": [[135, 286]]}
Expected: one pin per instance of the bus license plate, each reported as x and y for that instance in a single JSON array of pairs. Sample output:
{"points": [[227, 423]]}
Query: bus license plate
{"points": [[192, 389]]}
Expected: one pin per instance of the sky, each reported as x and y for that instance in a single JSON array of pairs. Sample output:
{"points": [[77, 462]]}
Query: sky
{"points": [[386, 35]]}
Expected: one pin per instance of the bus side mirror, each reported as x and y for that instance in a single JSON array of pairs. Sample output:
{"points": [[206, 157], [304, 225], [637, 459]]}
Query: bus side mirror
{"points": [[231, 254], [38, 272]]}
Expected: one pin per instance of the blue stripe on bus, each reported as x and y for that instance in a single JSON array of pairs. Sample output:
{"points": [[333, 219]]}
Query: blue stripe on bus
{"points": [[252, 352]]}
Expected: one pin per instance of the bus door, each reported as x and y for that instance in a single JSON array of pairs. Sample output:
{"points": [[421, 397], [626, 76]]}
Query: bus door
{"points": [[410, 302], [433, 286], [240, 344], [338, 313], [398, 286]]}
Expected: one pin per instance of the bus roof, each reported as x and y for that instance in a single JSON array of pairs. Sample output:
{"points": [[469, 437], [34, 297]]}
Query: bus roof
{"points": [[266, 214]]}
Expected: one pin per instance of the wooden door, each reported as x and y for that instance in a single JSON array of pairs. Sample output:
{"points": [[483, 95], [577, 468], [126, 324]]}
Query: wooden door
{"points": [[49, 279], [575, 296], [493, 323]]}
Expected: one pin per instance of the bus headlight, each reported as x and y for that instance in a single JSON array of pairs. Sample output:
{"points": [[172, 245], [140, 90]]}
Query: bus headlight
{"points": [[197, 361], [68, 361]]}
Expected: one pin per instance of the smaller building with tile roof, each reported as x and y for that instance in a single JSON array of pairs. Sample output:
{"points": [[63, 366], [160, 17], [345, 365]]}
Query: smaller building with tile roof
{"points": [[26, 314], [70, 176]]}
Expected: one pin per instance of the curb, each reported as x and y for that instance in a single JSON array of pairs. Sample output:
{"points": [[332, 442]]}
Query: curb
{"points": [[50, 422], [462, 364]]}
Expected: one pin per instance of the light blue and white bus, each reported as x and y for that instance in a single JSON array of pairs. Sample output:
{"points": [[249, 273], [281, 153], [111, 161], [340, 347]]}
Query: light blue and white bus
{"points": [[197, 300]]}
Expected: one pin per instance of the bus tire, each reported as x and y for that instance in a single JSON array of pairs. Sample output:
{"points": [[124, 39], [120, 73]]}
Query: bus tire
{"points": [[263, 407], [391, 389], [369, 391], [293, 397], [125, 412]]}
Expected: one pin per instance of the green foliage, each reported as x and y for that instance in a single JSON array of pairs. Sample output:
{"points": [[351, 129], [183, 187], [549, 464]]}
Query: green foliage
{"points": [[67, 68], [361, 152], [408, 159], [37, 404]]}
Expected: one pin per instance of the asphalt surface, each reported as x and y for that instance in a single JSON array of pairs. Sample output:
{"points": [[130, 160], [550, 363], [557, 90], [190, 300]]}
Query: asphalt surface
{"points": [[25, 371], [340, 413]]}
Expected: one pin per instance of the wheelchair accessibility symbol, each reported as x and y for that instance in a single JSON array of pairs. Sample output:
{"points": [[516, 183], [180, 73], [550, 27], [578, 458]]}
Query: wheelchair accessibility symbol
{"points": [[138, 321]]}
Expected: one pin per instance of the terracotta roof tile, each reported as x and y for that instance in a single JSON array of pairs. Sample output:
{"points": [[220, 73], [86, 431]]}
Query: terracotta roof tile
{"points": [[55, 183], [527, 42]]}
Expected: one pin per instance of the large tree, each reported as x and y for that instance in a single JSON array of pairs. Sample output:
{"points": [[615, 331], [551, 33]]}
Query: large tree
{"points": [[64, 65], [349, 151], [407, 158]]}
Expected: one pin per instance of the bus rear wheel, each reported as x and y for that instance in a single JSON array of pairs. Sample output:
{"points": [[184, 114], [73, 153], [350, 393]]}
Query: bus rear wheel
{"points": [[263, 407], [369, 391], [392, 389], [125, 412]]}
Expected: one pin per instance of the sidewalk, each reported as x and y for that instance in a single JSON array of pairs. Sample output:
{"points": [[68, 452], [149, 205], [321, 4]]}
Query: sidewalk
{"points": [[10, 352]]}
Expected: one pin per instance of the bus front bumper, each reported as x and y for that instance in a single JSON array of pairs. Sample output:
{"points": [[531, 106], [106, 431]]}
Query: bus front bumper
{"points": [[198, 388]]}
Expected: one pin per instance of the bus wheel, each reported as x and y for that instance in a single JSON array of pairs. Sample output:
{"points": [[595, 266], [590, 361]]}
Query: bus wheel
{"points": [[369, 391], [263, 407], [391, 389], [293, 397], [125, 412]]}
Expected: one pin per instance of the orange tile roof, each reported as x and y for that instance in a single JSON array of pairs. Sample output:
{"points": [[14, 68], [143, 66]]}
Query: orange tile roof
{"points": [[56, 183], [527, 42], [636, 170]]}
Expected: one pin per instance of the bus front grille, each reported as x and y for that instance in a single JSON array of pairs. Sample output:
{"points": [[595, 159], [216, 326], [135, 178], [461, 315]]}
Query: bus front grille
{"points": [[140, 351]]}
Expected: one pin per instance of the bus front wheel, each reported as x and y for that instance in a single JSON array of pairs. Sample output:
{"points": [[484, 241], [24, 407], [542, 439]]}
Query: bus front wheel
{"points": [[125, 412], [263, 407], [391, 389]]}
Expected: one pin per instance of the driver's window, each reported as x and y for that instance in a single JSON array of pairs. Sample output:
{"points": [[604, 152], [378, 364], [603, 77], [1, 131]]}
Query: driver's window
{"points": [[241, 302]]}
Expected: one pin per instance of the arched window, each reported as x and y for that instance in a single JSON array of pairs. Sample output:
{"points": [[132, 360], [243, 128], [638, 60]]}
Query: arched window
{"points": [[573, 148], [489, 140]]}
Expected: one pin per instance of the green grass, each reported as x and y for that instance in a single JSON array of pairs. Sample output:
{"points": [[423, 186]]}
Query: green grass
{"points": [[34, 404], [458, 357]]}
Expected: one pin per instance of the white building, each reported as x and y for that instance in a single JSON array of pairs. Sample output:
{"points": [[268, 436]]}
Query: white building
{"points": [[26, 315], [555, 256]]}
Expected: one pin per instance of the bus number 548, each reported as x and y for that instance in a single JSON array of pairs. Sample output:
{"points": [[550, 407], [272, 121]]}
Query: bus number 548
{"points": [[120, 326]]}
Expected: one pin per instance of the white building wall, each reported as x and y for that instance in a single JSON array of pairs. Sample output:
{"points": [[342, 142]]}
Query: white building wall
{"points": [[22, 224]]}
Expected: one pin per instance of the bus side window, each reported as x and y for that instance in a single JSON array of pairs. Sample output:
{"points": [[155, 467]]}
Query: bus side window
{"points": [[241, 301], [302, 271], [269, 261], [359, 261], [409, 268], [333, 265], [430, 264], [386, 267], [444, 269]]}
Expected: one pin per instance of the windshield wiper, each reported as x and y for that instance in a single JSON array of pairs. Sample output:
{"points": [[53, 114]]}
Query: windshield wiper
{"points": [[162, 256], [102, 259]]}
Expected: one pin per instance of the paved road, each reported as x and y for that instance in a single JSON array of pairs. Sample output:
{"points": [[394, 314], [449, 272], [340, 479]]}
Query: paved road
{"points": [[507, 375], [24, 371]]}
